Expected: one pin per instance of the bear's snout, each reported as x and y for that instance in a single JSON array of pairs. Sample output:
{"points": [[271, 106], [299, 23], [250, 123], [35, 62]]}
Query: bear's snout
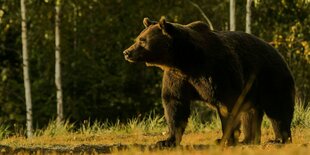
{"points": [[128, 55]]}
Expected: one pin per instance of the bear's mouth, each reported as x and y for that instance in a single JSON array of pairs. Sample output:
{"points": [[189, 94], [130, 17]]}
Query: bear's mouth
{"points": [[129, 60], [134, 57]]}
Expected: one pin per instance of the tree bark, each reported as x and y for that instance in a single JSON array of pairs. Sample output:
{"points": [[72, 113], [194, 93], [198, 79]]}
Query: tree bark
{"points": [[232, 18], [248, 16], [58, 63], [26, 70]]}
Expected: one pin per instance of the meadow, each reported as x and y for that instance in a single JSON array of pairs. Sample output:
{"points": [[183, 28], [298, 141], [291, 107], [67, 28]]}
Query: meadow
{"points": [[139, 135]]}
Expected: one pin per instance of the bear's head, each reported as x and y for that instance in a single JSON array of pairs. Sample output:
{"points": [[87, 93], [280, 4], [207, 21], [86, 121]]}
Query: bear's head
{"points": [[169, 45], [153, 46]]}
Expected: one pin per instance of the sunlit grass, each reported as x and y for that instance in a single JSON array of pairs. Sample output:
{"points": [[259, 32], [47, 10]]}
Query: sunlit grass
{"points": [[301, 116], [150, 129], [55, 128]]}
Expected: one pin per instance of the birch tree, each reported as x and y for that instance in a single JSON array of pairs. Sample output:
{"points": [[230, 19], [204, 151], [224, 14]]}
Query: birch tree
{"points": [[26, 70], [232, 15], [58, 63], [248, 16]]}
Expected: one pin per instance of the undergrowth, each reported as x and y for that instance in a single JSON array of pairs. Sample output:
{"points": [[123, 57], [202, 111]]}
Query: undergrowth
{"points": [[150, 124], [4, 131]]}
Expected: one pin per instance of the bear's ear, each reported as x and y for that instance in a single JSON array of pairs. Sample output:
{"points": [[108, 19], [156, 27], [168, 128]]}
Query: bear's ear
{"points": [[166, 27], [147, 22]]}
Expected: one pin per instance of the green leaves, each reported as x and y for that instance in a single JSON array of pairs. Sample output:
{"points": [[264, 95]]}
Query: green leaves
{"points": [[98, 83]]}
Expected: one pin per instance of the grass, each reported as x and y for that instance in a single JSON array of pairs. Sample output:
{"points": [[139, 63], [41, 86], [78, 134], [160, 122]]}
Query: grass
{"points": [[301, 116], [4, 132], [150, 129]]}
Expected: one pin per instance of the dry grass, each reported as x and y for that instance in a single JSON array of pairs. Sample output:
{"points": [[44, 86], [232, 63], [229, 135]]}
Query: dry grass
{"points": [[193, 143], [300, 137], [139, 135]]}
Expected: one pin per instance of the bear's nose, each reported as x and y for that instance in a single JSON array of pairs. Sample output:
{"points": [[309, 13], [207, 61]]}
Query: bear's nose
{"points": [[126, 53]]}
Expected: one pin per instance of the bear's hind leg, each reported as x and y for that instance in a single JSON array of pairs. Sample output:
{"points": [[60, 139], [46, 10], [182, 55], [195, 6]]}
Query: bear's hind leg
{"points": [[280, 111], [251, 122], [277, 98], [281, 122], [282, 131]]}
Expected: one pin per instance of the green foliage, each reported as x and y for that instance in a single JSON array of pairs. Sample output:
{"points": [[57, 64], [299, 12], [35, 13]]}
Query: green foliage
{"points": [[286, 25], [98, 83], [296, 49], [4, 131]]}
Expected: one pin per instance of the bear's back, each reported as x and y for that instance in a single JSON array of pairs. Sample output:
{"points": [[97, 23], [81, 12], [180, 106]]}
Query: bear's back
{"points": [[252, 50], [199, 27]]}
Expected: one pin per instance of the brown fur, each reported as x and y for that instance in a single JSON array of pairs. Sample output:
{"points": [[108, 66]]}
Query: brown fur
{"points": [[215, 67]]}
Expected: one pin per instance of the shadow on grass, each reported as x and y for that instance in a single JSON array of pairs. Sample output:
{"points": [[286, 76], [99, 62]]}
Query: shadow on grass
{"points": [[107, 149], [91, 149]]}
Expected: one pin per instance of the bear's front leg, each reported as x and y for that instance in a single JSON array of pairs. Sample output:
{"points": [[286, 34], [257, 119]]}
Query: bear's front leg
{"points": [[176, 114], [176, 102]]}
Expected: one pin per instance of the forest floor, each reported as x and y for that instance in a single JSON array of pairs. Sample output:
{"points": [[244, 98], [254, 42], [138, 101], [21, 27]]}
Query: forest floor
{"points": [[201, 142]]}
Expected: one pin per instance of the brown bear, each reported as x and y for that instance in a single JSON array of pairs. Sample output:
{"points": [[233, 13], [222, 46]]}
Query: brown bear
{"points": [[242, 76]]}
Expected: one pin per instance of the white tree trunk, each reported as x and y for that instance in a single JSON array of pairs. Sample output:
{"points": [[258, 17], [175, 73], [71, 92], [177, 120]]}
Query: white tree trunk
{"points": [[58, 63], [26, 70], [232, 14], [248, 16]]}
